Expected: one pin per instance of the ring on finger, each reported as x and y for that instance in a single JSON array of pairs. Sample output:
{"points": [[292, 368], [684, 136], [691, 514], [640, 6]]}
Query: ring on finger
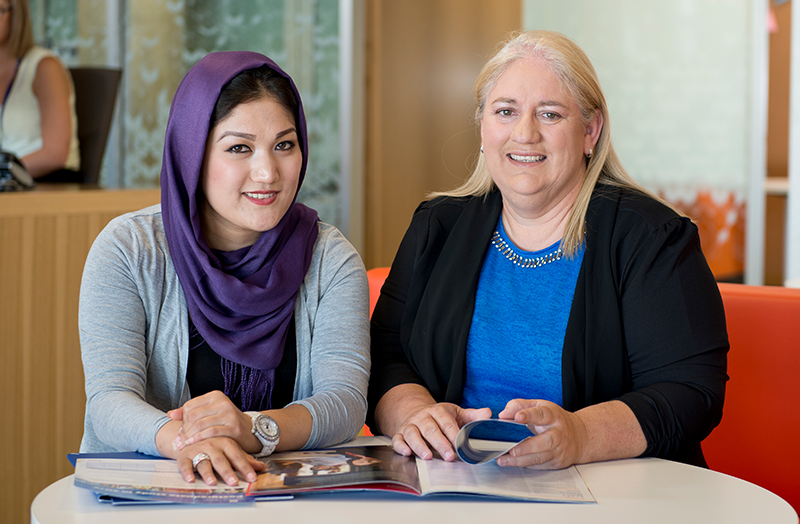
{"points": [[200, 457]]}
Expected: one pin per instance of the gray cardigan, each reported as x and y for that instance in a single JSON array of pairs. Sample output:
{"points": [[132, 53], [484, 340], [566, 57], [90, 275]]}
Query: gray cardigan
{"points": [[134, 335]]}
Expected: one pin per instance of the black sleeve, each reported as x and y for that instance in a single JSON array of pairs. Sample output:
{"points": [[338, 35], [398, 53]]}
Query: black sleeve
{"points": [[675, 336], [390, 367]]}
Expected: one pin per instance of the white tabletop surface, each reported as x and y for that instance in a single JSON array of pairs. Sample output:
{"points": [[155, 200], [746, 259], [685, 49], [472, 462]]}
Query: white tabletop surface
{"points": [[634, 490]]}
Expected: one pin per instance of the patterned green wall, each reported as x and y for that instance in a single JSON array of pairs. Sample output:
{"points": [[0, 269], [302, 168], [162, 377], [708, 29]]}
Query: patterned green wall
{"points": [[160, 40]]}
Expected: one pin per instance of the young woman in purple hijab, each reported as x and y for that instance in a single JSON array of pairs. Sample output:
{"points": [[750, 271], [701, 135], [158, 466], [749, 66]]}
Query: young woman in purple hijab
{"points": [[227, 322]]}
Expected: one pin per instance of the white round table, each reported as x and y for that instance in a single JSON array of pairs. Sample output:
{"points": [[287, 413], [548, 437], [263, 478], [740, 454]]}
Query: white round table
{"points": [[638, 491]]}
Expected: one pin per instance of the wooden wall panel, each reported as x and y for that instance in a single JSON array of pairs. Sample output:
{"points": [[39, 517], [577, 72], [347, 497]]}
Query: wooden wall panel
{"points": [[11, 302], [778, 143], [422, 59], [44, 240]]}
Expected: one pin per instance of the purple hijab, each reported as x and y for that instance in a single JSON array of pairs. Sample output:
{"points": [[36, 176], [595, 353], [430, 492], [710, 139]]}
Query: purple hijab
{"points": [[241, 302]]}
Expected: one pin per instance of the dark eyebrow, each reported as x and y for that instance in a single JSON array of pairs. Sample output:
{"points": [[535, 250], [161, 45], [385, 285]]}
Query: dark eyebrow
{"points": [[246, 136], [286, 132]]}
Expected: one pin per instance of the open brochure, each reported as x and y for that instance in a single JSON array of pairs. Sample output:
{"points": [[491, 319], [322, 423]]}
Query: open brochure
{"points": [[380, 468], [347, 468]]}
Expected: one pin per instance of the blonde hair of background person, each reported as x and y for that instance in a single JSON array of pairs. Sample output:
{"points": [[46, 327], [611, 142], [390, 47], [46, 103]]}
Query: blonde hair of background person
{"points": [[52, 88], [20, 37], [572, 67]]}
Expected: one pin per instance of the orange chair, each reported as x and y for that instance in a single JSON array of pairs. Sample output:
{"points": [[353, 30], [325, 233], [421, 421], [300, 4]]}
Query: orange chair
{"points": [[757, 439], [376, 276]]}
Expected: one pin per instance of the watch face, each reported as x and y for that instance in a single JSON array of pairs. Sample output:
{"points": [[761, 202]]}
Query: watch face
{"points": [[268, 428]]}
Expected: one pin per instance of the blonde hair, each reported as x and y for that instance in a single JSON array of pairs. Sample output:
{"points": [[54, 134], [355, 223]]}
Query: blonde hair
{"points": [[575, 72], [20, 38]]}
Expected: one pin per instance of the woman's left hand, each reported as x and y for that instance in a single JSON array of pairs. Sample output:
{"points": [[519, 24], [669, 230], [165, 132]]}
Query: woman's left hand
{"points": [[225, 458], [560, 435], [213, 415]]}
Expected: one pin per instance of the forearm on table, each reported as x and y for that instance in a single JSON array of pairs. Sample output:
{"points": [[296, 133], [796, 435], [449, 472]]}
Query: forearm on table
{"points": [[295, 423], [397, 404], [338, 413], [612, 432], [44, 162], [165, 439], [118, 419]]}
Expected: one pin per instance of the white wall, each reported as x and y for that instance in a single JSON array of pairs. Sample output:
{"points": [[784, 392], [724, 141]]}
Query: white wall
{"points": [[685, 81]]}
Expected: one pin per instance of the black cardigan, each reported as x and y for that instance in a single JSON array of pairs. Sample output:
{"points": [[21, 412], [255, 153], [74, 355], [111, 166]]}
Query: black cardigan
{"points": [[646, 327]]}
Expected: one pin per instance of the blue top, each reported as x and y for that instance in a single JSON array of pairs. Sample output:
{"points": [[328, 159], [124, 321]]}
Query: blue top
{"points": [[515, 341]]}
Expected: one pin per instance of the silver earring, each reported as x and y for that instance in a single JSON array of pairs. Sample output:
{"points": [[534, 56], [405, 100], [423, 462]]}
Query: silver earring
{"points": [[591, 151], [481, 149]]}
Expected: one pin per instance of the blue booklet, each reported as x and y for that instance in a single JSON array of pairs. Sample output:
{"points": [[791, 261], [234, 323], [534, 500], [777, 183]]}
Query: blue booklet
{"points": [[484, 440], [73, 457]]}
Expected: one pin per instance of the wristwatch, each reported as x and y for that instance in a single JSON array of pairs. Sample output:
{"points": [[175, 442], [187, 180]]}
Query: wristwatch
{"points": [[266, 431]]}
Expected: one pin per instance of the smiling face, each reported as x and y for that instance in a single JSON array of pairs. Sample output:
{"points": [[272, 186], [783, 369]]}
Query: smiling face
{"points": [[534, 138], [250, 173]]}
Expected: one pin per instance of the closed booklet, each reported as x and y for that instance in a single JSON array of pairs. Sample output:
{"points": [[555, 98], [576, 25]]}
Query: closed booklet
{"points": [[140, 480]]}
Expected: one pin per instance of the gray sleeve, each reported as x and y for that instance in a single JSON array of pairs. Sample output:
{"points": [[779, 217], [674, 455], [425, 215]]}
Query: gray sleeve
{"points": [[112, 323], [333, 341]]}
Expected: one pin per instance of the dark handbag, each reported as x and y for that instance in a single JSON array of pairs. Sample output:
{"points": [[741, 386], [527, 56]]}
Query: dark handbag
{"points": [[13, 175]]}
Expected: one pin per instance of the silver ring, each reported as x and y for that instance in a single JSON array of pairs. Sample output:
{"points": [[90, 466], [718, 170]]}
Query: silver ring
{"points": [[200, 457]]}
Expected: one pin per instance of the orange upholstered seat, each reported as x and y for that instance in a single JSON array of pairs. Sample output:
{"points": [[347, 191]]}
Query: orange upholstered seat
{"points": [[757, 439], [376, 277]]}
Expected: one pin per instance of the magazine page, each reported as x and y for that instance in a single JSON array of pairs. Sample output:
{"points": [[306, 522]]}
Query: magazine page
{"points": [[153, 480], [489, 479], [356, 468], [483, 440]]}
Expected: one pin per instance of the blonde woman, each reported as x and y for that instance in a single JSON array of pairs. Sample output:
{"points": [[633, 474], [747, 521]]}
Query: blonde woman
{"points": [[37, 117], [549, 289]]}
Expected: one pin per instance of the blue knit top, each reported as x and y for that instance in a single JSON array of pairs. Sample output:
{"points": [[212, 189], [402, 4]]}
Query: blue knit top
{"points": [[515, 341]]}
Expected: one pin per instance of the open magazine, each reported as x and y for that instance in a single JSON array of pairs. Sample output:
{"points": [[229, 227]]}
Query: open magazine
{"points": [[380, 468], [373, 466]]}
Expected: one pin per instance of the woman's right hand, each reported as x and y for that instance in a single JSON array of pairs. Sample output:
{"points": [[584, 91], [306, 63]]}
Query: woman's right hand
{"points": [[436, 426], [213, 415]]}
